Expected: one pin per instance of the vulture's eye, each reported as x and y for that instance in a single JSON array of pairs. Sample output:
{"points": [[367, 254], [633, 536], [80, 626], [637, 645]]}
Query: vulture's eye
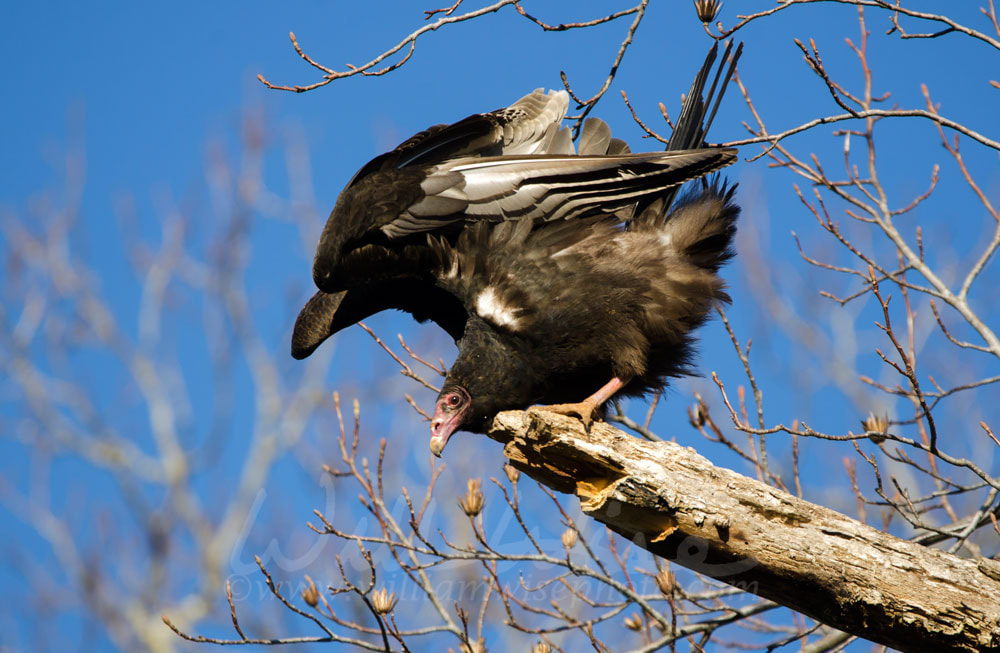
{"points": [[453, 400]]}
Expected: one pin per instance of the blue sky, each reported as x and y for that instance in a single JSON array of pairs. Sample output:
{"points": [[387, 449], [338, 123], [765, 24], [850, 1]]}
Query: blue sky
{"points": [[146, 95]]}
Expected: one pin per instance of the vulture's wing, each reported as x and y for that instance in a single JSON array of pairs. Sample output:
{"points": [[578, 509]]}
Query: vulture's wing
{"points": [[529, 126], [388, 184], [550, 184], [546, 187], [327, 313]]}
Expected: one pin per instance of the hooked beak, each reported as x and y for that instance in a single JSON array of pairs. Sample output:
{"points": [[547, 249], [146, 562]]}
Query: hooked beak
{"points": [[442, 427]]}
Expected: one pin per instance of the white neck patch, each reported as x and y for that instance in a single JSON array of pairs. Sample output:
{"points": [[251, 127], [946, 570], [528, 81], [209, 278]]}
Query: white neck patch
{"points": [[490, 307]]}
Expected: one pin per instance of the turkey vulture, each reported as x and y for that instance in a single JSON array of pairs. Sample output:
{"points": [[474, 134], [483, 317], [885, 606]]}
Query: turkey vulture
{"points": [[557, 273]]}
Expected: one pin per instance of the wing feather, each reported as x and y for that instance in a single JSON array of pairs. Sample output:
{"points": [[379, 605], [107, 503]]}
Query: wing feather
{"points": [[549, 187], [327, 313], [525, 127], [595, 137]]}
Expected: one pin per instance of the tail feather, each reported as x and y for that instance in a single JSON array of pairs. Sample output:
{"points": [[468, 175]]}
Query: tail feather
{"points": [[696, 116], [725, 83], [697, 112]]}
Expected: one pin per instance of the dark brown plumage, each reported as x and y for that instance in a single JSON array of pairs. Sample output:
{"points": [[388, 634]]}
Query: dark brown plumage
{"points": [[557, 273], [557, 312]]}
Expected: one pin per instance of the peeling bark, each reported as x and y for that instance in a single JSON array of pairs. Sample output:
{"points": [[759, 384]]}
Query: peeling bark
{"points": [[673, 502]]}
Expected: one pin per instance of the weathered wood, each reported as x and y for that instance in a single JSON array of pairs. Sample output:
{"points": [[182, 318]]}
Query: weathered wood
{"points": [[675, 503]]}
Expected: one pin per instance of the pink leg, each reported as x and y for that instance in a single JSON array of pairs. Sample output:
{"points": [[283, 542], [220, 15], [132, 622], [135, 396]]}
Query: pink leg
{"points": [[585, 409]]}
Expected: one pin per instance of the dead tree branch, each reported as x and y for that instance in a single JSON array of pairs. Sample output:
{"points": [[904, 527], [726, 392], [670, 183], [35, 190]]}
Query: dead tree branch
{"points": [[676, 504]]}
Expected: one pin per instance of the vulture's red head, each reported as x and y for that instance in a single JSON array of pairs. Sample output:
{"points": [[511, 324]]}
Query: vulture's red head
{"points": [[488, 376], [450, 413]]}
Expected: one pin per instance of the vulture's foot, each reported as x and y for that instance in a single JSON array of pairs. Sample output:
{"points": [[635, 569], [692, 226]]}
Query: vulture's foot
{"points": [[589, 407], [585, 410]]}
